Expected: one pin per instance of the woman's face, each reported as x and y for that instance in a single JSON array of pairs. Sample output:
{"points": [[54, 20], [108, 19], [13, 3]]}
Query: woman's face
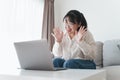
{"points": [[70, 27]]}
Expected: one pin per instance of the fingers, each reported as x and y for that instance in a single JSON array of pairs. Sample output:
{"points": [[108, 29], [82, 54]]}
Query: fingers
{"points": [[57, 30], [53, 35], [82, 29], [57, 33]]}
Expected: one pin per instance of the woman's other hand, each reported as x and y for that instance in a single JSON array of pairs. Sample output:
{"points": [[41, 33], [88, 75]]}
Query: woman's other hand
{"points": [[57, 34], [81, 33]]}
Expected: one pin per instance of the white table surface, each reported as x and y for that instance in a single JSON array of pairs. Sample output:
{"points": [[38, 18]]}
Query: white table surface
{"points": [[69, 74]]}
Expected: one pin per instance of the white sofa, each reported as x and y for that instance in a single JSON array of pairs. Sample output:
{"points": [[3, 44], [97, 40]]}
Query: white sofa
{"points": [[108, 58]]}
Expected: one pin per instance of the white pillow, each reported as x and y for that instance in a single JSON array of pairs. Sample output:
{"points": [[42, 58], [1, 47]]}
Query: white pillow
{"points": [[111, 53]]}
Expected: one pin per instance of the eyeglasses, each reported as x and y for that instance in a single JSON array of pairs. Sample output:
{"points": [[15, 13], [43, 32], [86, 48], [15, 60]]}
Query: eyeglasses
{"points": [[70, 25]]}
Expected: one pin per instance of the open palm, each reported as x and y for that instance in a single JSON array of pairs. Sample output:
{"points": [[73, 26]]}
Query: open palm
{"points": [[81, 33], [58, 34]]}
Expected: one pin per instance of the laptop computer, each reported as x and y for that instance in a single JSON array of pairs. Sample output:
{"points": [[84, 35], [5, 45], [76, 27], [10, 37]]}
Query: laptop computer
{"points": [[35, 55]]}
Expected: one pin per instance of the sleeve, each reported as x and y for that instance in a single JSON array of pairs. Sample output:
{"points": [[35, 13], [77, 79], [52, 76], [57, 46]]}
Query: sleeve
{"points": [[88, 46], [57, 49]]}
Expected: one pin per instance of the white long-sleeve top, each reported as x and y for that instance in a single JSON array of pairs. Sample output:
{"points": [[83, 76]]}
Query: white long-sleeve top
{"points": [[71, 49]]}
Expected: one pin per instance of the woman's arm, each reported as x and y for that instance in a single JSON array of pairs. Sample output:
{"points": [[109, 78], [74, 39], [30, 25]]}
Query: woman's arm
{"points": [[57, 49], [88, 46]]}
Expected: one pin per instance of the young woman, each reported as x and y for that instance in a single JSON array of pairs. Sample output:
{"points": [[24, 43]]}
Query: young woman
{"points": [[74, 48]]}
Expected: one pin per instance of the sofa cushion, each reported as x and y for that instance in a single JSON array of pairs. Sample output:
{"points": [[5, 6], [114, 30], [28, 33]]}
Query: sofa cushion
{"points": [[111, 53], [99, 55]]}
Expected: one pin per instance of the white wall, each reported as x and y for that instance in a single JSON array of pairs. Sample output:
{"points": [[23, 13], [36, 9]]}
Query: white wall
{"points": [[103, 16], [19, 20]]}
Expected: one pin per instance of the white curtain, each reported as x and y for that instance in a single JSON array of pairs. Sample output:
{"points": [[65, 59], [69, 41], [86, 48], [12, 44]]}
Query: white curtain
{"points": [[20, 20]]}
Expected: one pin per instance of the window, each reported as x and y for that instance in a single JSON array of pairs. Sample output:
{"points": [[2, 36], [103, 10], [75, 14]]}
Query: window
{"points": [[20, 20]]}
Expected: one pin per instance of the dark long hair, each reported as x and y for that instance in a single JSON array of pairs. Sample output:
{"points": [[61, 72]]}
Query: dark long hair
{"points": [[76, 17]]}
